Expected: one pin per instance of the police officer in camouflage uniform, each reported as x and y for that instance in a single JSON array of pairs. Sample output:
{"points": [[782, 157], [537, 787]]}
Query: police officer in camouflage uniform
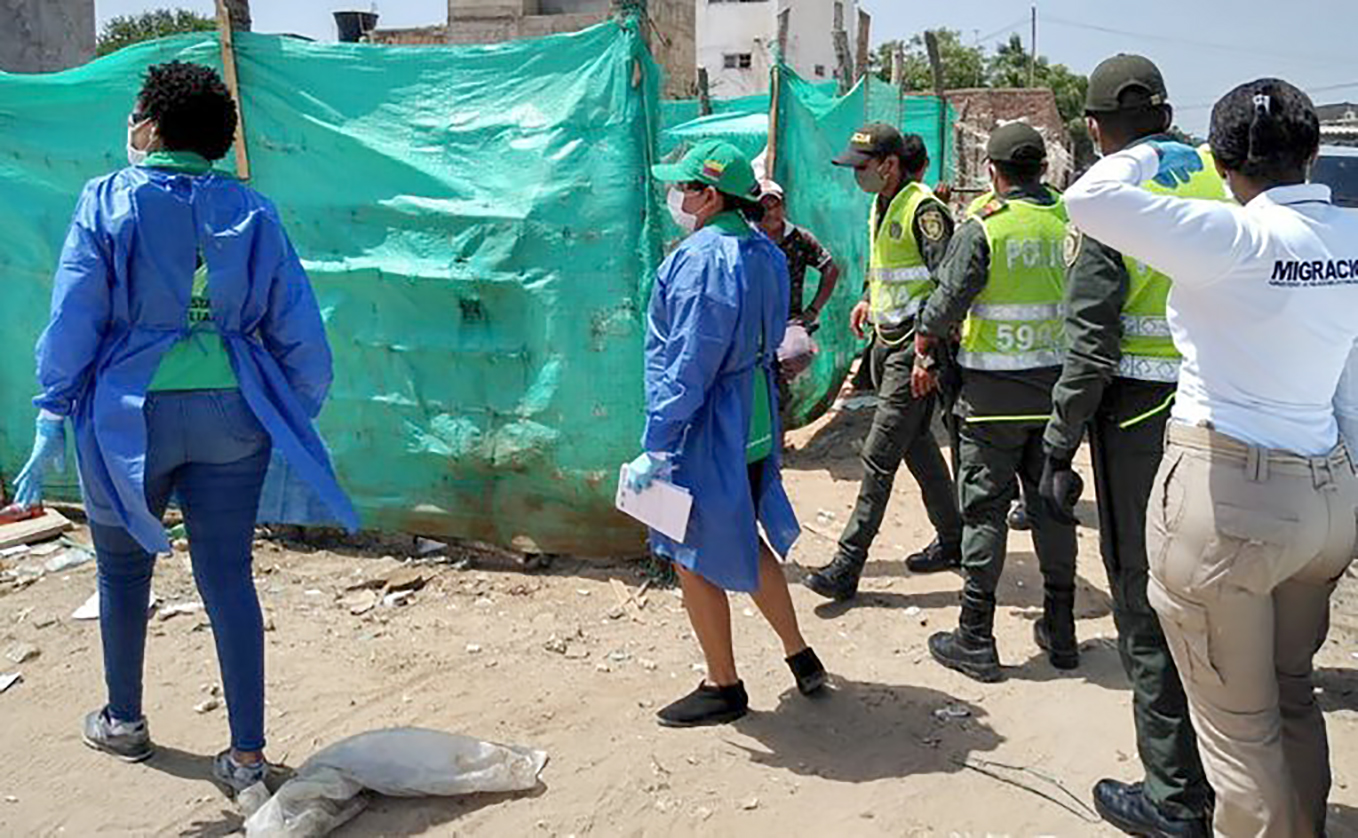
{"points": [[909, 232], [1003, 281], [1119, 381]]}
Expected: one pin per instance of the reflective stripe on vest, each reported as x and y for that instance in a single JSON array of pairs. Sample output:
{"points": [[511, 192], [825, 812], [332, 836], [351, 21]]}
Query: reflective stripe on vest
{"points": [[1017, 321], [898, 280], [1143, 368], [1148, 352]]}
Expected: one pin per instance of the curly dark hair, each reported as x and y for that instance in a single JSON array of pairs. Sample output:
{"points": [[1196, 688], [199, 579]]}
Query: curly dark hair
{"points": [[191, 107], [1266, 129]]}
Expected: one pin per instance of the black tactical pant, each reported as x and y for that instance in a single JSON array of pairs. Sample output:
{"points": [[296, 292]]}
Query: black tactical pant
{"points": [[901, 429], [994, 458], [1125, 463]]}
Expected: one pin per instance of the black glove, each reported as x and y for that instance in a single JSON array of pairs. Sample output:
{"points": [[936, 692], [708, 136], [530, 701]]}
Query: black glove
{"points": [[1060, 488]]}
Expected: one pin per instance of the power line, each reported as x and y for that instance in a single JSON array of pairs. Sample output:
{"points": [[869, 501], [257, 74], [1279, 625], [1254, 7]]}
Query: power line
{"points": [[1003, 30], [1309, 90], [1255, 51]]}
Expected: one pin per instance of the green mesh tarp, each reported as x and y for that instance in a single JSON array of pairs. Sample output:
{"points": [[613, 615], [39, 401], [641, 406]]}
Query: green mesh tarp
{"points": [[747, 132], [474, 221], [675, 112], [813, 127], [480, 228]]}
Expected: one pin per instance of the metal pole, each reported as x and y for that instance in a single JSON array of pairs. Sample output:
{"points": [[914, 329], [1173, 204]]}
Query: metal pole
{"points": [[224, 29], [771, 159], [1032, 60]]}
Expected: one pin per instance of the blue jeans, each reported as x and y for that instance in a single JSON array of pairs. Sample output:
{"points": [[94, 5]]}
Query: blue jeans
{"points": [[208, 449]]}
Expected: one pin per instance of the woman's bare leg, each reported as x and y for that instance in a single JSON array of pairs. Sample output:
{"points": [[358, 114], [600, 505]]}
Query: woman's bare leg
{"points": [[775, 603], [709, 612]]}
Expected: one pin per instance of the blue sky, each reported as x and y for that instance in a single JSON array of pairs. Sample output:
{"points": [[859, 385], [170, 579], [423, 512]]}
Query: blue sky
{"points": [[1204, 48]]}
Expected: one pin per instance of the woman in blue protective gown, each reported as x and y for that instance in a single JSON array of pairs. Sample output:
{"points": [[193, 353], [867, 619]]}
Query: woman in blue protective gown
{"points": [[718, 311], [184, 346]]}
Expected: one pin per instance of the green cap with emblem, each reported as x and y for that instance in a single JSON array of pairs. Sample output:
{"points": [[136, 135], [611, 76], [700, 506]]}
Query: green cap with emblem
{"points": [[715, 163], [1125, 82], [1016, 142], [871, 142]]}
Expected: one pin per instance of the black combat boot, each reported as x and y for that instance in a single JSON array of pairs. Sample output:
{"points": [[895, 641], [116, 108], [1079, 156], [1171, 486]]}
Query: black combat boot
{"points": [[935, 558], [838, 580], [1055, 632], [970, 648], [1127, 807]]}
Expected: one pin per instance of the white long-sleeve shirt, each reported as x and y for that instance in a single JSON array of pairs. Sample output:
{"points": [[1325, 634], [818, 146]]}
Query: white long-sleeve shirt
{"points": [[1264, 305]]}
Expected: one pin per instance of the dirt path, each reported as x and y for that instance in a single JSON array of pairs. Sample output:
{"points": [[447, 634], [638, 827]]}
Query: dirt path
{"points": [[882, 755]]}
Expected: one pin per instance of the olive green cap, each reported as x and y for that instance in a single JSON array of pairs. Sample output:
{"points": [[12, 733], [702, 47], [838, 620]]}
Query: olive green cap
{"points": [[871, 142], [715, 163], [1124, 82], [1016, 142]]}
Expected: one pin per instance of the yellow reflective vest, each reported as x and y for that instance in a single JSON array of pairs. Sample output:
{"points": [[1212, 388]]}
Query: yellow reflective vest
{"points": [[1018, 322]]}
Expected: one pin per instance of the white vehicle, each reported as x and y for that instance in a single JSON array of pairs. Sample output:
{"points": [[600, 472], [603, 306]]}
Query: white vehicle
{"points": [[1337, 168]]}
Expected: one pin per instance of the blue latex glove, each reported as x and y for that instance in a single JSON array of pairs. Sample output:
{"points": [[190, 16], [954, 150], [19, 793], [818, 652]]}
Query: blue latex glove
{"points": [[1178, 162], [49, 450], [646, 469]]}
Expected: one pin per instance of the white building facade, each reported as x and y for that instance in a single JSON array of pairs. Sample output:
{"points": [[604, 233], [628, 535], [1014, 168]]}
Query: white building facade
{"points": [[737, 40]]}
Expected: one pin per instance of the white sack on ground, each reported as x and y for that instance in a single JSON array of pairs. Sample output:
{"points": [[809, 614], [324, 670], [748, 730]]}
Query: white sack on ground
{"points": [[400, 762]]}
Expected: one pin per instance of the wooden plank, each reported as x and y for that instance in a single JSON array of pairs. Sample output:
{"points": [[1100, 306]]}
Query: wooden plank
{"points": [[233, 85], [864, 54], [625, 599], [50, 525]]}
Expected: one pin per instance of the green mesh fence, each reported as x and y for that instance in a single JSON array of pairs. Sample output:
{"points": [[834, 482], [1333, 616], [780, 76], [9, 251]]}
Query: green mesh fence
{"points": [[481, 230], [475, 223]]}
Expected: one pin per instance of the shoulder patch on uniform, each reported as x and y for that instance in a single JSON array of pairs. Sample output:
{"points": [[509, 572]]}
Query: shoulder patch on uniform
{"points": [[932, 224], [991, 208], [894, 230], [1070, 249]]}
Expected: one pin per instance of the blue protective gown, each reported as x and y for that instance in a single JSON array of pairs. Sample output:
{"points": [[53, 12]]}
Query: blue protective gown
{"points": [[120, 301], [718, 312]]}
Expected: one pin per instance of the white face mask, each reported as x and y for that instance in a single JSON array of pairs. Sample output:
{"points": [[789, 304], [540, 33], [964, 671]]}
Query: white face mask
{"points": [[687, 221], [135, 156]]}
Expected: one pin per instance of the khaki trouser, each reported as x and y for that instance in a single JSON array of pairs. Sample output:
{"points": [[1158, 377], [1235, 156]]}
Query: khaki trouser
{"points": [[1245, 547]]}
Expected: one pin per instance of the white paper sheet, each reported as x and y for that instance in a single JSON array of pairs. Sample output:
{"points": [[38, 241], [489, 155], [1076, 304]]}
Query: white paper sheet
{"points": [[661, 506], [90, 610]]}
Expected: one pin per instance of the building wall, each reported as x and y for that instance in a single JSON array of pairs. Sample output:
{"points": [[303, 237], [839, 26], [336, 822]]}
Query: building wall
{"points": [[43, 36], [726, 28], [981, 110], [494, 21], [572, 7], [415, 36]]}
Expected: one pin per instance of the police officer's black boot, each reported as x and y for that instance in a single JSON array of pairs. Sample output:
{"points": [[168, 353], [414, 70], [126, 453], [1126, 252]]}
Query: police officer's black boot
{"points": [[838, 580], [970, 648], [935, 558], [1126, 806], [1055, 632]]}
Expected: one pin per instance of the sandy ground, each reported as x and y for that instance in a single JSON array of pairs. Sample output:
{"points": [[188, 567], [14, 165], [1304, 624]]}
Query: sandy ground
{"points": [[885, 753]]}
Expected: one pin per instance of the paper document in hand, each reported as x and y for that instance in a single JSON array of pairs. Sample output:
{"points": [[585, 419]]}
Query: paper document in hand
{"points": [[661, 506]]}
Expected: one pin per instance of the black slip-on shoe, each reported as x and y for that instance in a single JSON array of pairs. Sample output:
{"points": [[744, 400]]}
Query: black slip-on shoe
{"points": [[808, 670], [707, 705]]}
